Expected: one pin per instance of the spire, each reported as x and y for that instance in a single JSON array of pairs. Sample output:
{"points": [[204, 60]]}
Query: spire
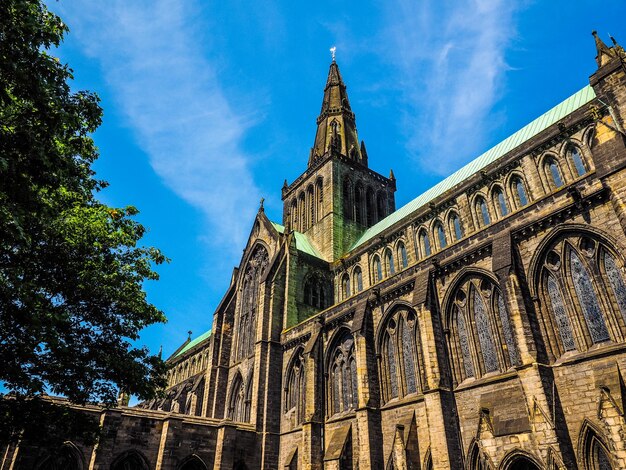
{"points": [[605, 53], [336, 128]]}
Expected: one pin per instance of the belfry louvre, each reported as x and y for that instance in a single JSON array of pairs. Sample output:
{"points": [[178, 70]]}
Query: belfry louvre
{"points": [[481, 326]]}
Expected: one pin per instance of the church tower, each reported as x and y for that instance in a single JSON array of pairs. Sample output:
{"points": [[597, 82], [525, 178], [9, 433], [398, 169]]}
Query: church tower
{"points": [[337, 197]]}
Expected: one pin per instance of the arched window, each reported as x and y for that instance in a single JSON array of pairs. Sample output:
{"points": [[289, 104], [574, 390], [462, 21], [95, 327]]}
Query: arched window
{"points": [[294, 390], [254, 271], [358, 204], [347, 199], [345, 286], [596, 455], [441, 235], [400, 355], [319, 187], [343, 390], [577, 160], [402, 256], [477, 459], [518, 188], [130, 460], [310, 196], [237, 400], [381, 202], [455, 226], [294, 214], [66, 458], [358, 279], [583, 289], [193, 463], [377, 269], [424, 243], [482, 211], [371, 207], [314, 291], [303, 212], [554, 173], [500, 202], [391, 269], [481, 339]]}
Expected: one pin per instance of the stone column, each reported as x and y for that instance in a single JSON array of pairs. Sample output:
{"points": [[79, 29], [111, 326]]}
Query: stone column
{"points": [[312, 441]]}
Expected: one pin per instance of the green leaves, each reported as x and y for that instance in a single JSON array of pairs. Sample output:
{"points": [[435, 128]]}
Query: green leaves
{"points": [[71, 268]]}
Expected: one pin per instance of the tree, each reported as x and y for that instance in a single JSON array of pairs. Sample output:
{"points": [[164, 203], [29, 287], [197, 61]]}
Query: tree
{"points": [[71, 268]]}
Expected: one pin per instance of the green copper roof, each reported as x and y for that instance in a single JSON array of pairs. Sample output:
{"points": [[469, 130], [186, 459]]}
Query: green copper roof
{"points": [[544, 121], [193, 343], [302, 242]]}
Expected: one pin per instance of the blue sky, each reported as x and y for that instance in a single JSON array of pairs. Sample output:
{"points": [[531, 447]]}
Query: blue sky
{"points": [[209, 106]]}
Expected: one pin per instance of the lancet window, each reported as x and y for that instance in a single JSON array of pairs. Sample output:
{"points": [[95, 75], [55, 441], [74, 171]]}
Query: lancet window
{"points": [[294, 390], [240, 400], [315, 291], [455, 226], [441, 235], [345, 287], [389, 264], [400, 358], [577, 160], [482, 211], [519, 190], [402, 256], [249, 303], [342, 375], [482, 339], [347, 199], [424, 243], [377, 269], [500, 202], [582, 282], [554, 173]]}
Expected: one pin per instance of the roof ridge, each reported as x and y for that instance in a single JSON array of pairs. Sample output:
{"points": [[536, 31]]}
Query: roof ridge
{"points": [[537, 125]]}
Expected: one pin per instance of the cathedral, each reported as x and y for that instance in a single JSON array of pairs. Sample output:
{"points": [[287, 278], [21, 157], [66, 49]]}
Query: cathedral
{"points": [[480, 326]]}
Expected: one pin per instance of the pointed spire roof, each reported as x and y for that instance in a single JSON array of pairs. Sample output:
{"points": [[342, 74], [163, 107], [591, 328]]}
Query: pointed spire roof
{"points": [[336, 127], [605, 53]]}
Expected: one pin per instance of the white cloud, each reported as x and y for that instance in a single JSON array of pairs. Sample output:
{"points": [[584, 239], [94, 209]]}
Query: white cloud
{"points": [[152, 54], [450, 57]]}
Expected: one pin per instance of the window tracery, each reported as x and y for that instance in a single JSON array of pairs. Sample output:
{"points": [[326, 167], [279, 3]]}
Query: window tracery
{"points": [[255, 269], [295, 391], [343, 391]]}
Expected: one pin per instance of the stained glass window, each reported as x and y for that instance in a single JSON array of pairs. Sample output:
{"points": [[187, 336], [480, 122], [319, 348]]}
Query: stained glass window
{"points": [[484, 211], [441, 235], [522, 198], [617, 282], [588, 300], [355, 388], [346, 387], [578, 161], [506, 330], [602, 459], [502, 207], [391, 367], [404, 260], [464, 343], [558, 308], [456, 225], [336, 381], [485, 337], [408, 348], [555, 173]]}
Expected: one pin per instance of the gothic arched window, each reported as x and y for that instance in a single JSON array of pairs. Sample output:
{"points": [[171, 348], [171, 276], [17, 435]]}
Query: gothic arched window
{"points": [[345, 286], [500, 202], [377, 269], [441, 235], [389, 265], [314, 291], [455, 226], [236, 404], [481, 339], [319, 188], [517, 185], [577, 160], [424, 243], [359, 197], [400, 355], [303, 213], [347, 199], [310, 196], [68, 457], [370, 206], [554, 173], [294, 214], [358, 279], [343, 389], [294, 390], [482, 211], [381, 202], [584, 292], [596, 455], [402, 255], [254, 271]]}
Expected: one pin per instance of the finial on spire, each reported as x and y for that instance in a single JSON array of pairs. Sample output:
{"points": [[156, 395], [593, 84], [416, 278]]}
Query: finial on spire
{"points": [[333, 51], [261, 208], [189, 333]]}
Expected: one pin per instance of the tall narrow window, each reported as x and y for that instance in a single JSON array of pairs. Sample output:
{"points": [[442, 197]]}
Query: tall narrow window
{"points": [[390, 357], [501, 202], [555, 173], [303, 213], [347, 199], [343, 375], [358, 279], [483, 211], [345, 286], [507, 331], [371, 207], [402, 256], [391, 269], [485, 336], [455, 223], [464, 344], [577, 160], [424, 243], [381, 202], [441, 235], [588, 300], [520, 191], [558, 307], [319, 187], [377, 269], [408, 350], [358, 204], [311, 201], [294, 392], [617, 282]]}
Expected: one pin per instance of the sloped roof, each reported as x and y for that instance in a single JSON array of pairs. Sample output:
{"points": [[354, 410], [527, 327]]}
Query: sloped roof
{"points": [[193, 343], [544, 121], [302, 242]]}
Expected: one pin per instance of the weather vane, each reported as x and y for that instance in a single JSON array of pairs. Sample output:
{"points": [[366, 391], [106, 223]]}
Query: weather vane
{"points": [[332, 52]]}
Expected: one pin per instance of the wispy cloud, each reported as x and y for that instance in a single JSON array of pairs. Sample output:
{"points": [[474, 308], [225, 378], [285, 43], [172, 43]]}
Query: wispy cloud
{"points": [[169, 90], [450, 57]]}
